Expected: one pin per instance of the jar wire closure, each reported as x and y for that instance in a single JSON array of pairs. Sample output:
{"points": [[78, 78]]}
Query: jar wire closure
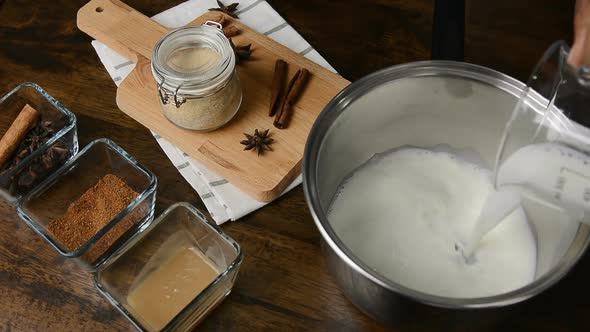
{"points": [[193, 83]]}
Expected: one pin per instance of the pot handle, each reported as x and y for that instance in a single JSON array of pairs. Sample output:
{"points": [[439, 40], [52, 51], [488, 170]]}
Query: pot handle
{"points": [[448, 30]]}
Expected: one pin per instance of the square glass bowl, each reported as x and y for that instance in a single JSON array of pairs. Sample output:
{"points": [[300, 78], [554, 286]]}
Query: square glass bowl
{"points": [[52, 198], [15, 182], [143, 265]]}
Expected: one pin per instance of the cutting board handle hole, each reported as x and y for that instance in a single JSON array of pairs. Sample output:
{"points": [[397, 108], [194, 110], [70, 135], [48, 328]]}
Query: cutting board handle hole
{"points": [[99, 9]]}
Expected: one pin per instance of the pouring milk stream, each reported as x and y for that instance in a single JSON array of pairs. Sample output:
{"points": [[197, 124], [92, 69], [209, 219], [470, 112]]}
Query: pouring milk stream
{"points": [[441, 222], [555, 166]]}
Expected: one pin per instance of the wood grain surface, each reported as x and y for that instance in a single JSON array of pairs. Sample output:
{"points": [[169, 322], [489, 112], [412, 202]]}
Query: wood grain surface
{"points": [[263, 178], [283, 284]]}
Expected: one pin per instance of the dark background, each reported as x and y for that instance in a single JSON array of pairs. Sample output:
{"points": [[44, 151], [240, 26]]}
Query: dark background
{"points": [[283, 284]]}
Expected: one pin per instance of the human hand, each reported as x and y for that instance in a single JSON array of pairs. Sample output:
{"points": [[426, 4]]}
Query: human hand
{"points": [[580, 52]]}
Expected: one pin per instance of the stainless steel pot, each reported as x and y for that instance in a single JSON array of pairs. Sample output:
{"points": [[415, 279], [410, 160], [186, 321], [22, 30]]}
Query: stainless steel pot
{"points": [[422, 104]]}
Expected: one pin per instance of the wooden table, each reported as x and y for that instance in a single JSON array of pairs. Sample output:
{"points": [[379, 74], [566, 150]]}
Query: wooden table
{"points": [[283, 284]]}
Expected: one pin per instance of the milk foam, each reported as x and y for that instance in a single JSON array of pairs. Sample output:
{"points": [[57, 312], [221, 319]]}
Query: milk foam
{"points": [[404, 212]]}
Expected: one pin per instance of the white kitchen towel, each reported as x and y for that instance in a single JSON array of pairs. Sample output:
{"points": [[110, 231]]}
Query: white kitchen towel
{"points": [[223, 200]]}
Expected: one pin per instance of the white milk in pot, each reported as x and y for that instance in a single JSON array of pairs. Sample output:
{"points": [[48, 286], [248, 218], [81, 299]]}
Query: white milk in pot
{"points": [[437, 220], [436, 201]]}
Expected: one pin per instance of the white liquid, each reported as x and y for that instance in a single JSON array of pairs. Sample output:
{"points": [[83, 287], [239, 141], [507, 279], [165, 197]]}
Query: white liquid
{"points": [[557, 173], [403, 213], [550, 172], [498, 205]]}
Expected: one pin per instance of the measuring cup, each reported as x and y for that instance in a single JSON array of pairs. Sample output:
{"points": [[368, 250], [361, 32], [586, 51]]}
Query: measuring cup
{"points": [[554, 165], [544, 154]]}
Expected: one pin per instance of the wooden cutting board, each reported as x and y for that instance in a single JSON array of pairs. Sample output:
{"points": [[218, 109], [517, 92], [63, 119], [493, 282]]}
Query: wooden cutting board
{"points": [[264, 177]]}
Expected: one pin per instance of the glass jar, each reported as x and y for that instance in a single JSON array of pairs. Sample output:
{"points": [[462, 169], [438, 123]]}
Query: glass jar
{"points": [[198, 86]]}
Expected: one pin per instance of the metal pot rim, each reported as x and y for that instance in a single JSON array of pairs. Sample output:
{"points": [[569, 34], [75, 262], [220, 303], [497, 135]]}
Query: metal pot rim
{"points": [[358, 89]]}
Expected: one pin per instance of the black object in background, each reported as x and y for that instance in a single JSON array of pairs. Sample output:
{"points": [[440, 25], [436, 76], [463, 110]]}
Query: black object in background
{"points": [[448, 30]]}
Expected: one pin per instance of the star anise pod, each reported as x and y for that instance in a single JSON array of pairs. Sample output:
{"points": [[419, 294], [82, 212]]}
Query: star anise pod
{"points": [[229, 10], [242, 52], [260, 141]]}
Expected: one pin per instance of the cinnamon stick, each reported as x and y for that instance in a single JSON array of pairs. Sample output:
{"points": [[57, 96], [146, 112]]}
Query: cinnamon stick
{"points": [[231, 31], [277, 88], [25, 121], [294, 90]]}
